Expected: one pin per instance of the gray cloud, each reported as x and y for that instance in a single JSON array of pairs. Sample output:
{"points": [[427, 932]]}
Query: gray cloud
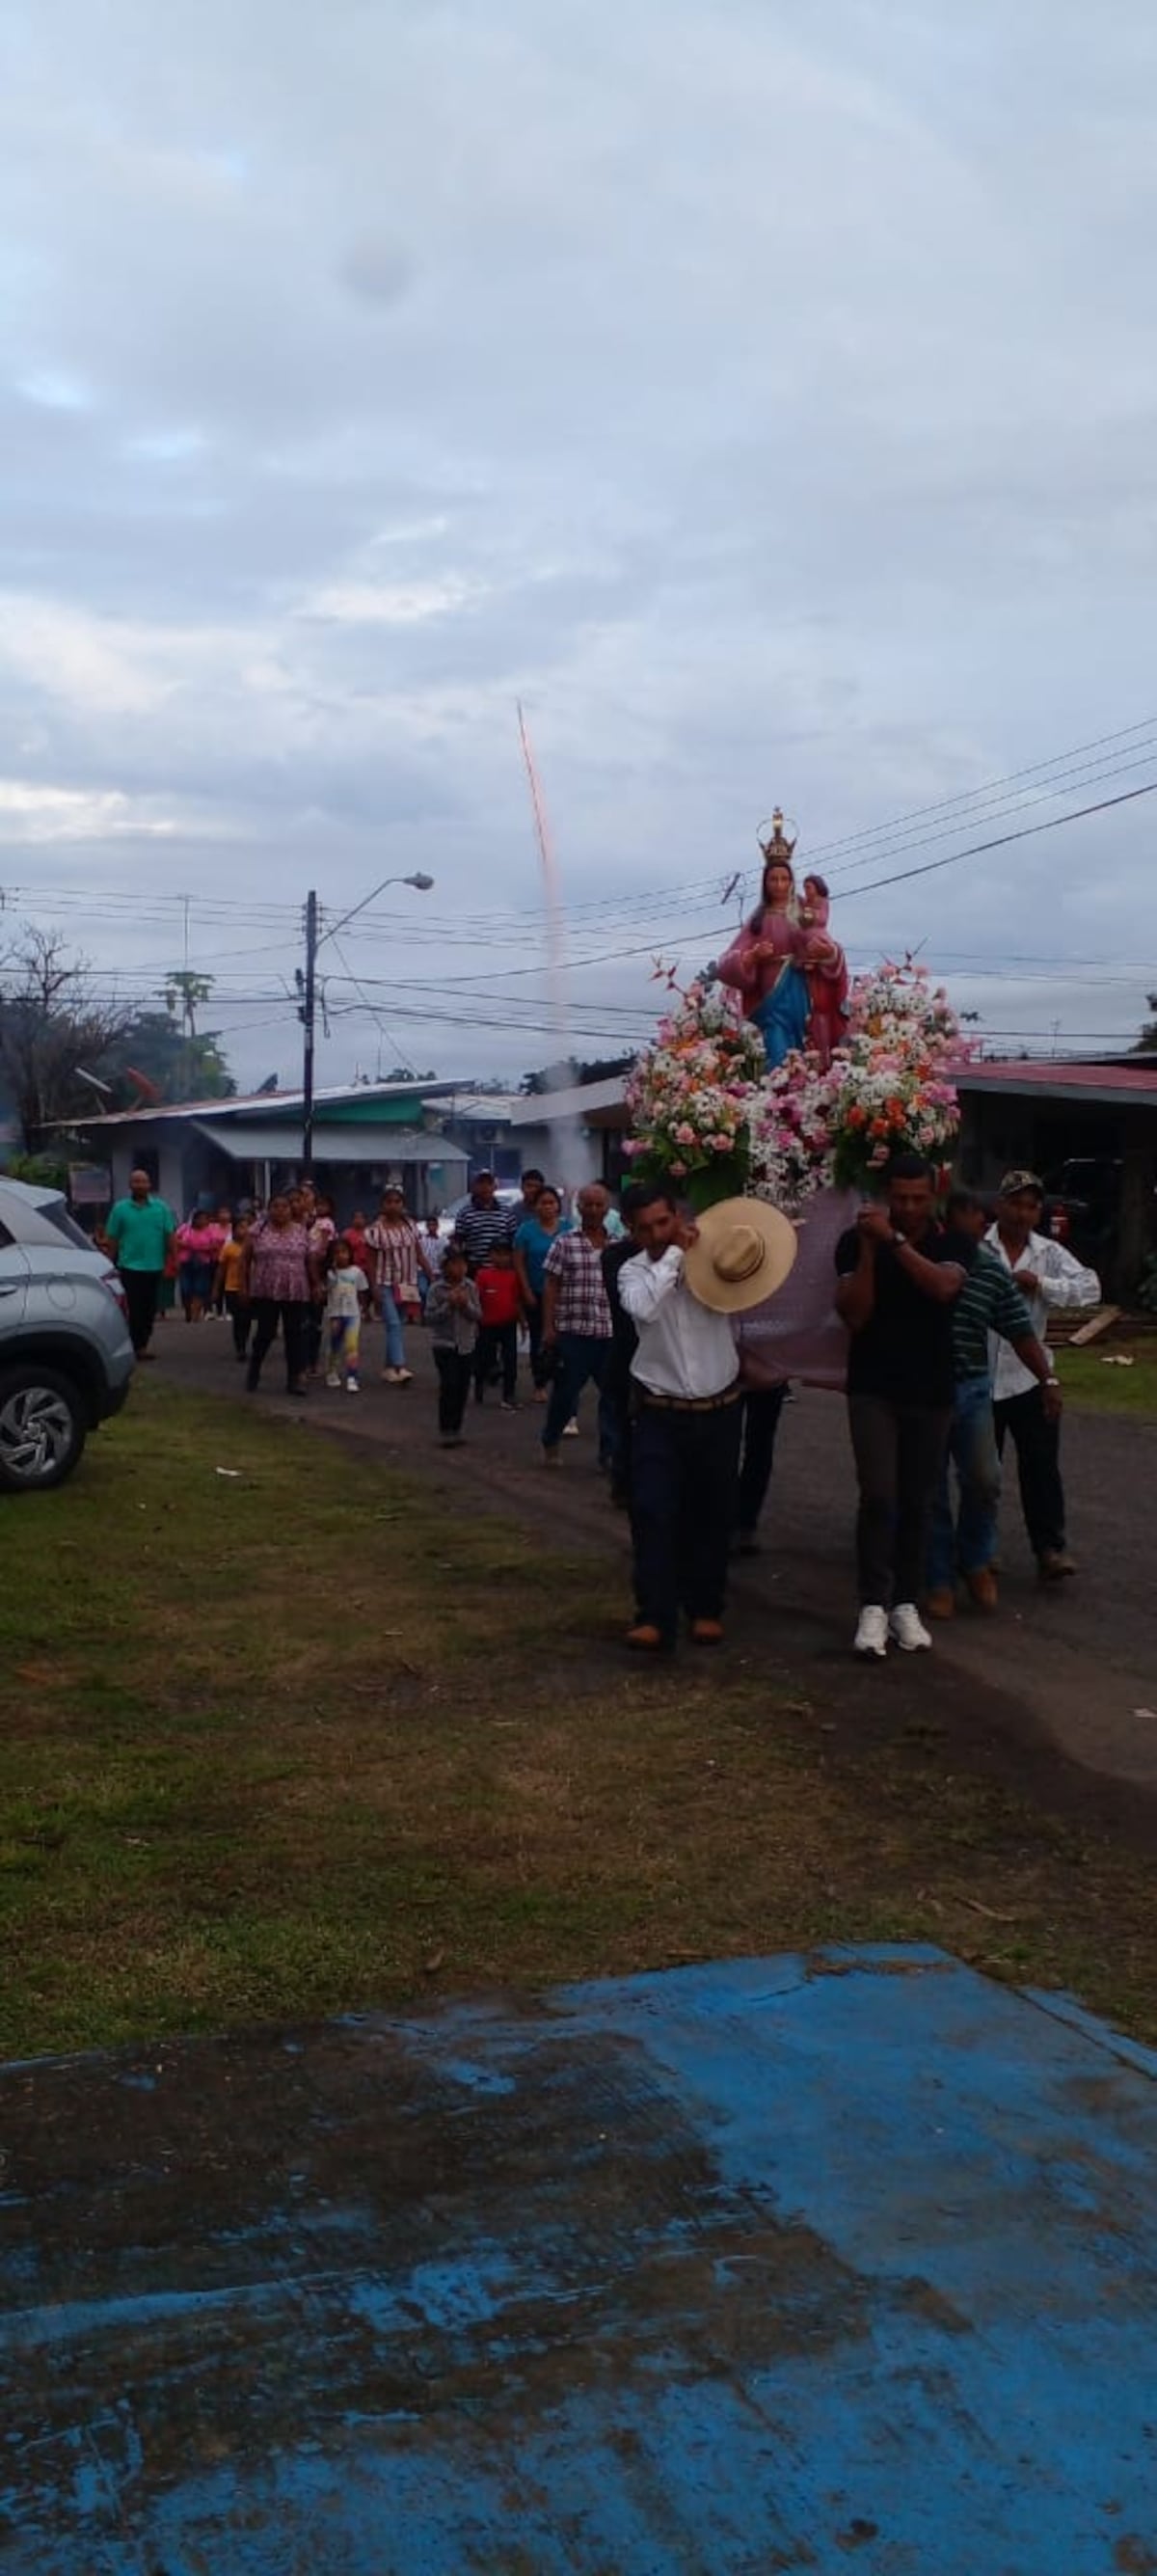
{"points": [[766, 402]]}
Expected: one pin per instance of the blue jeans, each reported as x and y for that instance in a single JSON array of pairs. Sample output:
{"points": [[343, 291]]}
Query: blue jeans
{"points": [[581, 1357], [392, 1321], [972, 1449]]}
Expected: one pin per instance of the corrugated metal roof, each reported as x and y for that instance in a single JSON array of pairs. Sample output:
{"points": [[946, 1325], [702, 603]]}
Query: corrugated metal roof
{"points": [[377, 1147], [268, 1101], [1132, 1084]]}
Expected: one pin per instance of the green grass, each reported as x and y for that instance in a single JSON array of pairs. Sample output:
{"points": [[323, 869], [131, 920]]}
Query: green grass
{"points": [[1094, 1379], [304, 1739]]}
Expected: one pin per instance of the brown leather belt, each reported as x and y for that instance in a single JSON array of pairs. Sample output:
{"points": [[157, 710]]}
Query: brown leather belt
{"points": [[690, 1403]]}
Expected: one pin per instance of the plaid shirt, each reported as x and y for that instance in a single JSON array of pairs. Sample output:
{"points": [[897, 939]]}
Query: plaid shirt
{"points": [[583, 1307]]}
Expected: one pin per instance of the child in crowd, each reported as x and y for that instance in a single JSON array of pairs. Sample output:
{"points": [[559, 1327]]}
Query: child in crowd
{"points": [[346, 1301], [198, 1246], [355, 1235], [453, 1313], [433, 1252], [829, 1004], [224, 1228], [229, 1285], [500, 1298]]}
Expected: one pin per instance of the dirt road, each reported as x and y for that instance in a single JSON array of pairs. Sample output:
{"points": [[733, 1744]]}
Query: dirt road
{"points": [[1076, 1669]]}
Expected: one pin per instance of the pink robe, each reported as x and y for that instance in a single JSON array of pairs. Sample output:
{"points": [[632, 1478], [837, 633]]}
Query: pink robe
{"points": [[827, 981], [753, 978]]}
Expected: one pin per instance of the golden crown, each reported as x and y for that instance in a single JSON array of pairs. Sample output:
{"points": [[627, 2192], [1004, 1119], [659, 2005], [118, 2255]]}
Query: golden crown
{"points": [[779, 844]]}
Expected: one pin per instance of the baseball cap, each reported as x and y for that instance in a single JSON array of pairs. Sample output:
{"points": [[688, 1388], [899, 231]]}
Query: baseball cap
{"points": [[1014, 1182]]}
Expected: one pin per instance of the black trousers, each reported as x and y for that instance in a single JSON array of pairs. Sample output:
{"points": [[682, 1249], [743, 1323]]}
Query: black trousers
{"points": [[761, 1408], [899, 1451], [683, 1471], [141, 1287], [1037, 1443], [268, 1313], [539, 1375], [455, 1371], [619, 1397], [240, 1314], [497, 1349]]}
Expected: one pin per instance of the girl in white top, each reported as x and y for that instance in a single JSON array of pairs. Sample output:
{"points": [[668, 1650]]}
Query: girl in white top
{"points": [[346, 1299]]}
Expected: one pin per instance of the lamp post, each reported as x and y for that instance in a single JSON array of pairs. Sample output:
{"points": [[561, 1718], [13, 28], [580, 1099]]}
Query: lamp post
{"points": [[307, 986]]}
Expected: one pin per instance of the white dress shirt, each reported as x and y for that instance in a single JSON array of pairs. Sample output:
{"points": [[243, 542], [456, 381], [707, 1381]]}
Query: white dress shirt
{"points": [[1064, 1281], [684, 1349]]}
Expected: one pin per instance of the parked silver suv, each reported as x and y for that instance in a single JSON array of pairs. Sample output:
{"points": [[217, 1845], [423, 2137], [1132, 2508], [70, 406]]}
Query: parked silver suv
{"points": [[65, 1354]]}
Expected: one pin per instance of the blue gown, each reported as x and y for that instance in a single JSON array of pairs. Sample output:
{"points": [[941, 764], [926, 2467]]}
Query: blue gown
{"points": [[782, 1016]]}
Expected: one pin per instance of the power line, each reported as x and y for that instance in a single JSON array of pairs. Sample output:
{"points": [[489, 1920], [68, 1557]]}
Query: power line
{"points": [[987, 788], [360, 988], [1093, 771], [978, 849]]}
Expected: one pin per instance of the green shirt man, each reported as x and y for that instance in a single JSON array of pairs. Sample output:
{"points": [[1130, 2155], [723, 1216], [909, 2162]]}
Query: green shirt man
{"points": [[140, 1230], [140, 1227]]}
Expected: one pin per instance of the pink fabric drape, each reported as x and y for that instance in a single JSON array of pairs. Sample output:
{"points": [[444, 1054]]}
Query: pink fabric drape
{"points": [[797, 1333]]}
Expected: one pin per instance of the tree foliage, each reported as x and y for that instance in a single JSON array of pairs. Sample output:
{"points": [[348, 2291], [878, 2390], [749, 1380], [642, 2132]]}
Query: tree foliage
{"points": [[174, 1063], [55, 1030], [51, 1024]]}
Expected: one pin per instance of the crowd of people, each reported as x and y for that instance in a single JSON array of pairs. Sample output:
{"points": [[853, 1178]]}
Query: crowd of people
{"points": [[946, 1316]]}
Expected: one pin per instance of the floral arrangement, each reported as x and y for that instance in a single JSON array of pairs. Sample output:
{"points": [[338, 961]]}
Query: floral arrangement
{"points": [[889, 1091], [707, 1113], [791, 1150], [691, 1094]]}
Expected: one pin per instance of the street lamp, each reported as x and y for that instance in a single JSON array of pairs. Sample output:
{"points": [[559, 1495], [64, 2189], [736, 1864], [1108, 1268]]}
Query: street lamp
{"points": [[422, 884]]}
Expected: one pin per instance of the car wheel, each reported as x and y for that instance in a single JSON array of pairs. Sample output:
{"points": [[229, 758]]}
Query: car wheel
{"points": [[42, 1428]]}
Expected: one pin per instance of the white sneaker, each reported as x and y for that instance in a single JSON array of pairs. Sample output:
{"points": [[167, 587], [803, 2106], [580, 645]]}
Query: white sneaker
{"points": [[353, 1386], [332, 1378], [570, 1431], [907, 1628], [872, 1633]]}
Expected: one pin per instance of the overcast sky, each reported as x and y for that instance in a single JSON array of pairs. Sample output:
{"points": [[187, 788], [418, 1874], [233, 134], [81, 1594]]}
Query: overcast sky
{"points": [[763, 395]]}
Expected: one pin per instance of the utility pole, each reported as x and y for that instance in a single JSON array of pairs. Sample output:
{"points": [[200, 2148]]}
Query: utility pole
{"points": [[307, 985]]}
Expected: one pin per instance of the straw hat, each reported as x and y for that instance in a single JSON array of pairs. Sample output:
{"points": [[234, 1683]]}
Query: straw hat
{"points": [[744, 1253]]}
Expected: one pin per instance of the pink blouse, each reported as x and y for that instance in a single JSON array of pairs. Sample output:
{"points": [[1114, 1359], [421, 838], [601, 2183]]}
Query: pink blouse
{"points": [[198, 1242]]}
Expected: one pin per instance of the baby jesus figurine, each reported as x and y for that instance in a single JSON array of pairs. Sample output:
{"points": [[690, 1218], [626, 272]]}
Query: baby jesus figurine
{"points": [[828, 996]]}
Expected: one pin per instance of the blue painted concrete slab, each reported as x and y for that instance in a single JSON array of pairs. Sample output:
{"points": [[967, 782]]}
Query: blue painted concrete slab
{"points": [[817, 2265]]}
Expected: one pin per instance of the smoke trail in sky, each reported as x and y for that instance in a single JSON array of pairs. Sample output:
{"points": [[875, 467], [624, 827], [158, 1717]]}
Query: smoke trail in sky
{"points": [[570, 1157]]}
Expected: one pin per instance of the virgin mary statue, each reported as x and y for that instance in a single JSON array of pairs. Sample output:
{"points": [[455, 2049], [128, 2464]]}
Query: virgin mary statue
{"points": [[790, 974]]}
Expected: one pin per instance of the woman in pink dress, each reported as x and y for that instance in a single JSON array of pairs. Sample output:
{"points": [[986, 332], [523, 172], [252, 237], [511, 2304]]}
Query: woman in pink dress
{"points": [[198, 1244]]}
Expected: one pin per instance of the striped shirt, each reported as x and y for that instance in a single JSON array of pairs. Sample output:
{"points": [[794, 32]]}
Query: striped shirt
{"points": [[478, 1229], [395, 1257], [988, 1303]]}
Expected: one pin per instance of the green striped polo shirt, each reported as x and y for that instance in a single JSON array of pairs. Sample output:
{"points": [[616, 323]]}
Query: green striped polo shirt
{"points": [[989, 1302]]}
